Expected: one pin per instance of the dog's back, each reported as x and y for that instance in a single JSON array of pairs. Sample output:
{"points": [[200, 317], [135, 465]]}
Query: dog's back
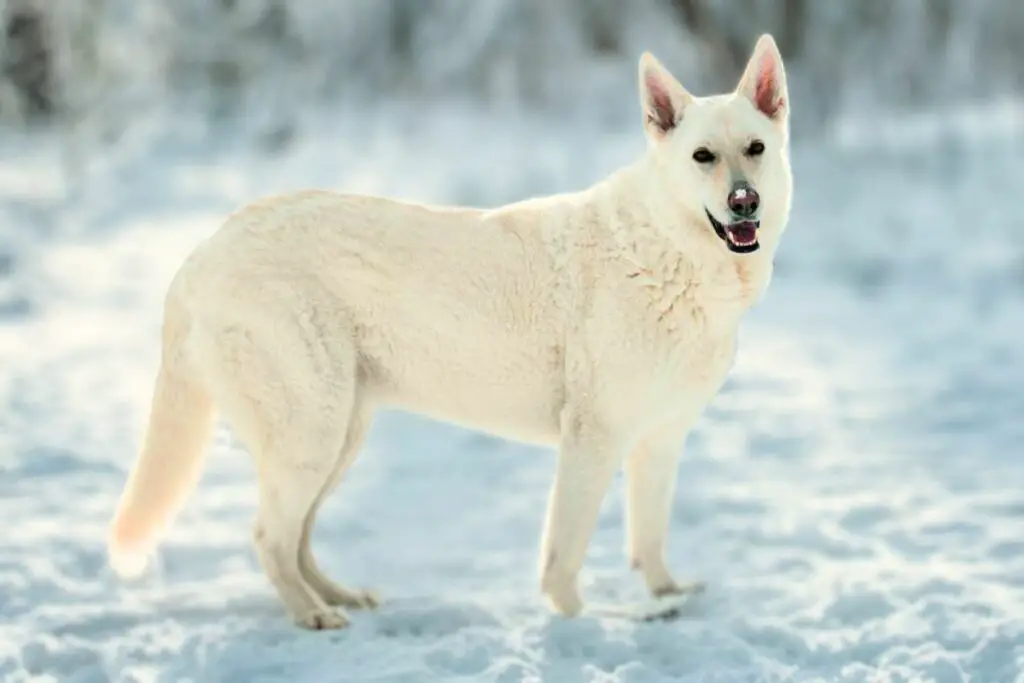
{"points": [[450, 308]]}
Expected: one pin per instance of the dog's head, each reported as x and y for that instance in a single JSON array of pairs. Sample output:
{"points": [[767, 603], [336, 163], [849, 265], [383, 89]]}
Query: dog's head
{"points": [[724, 159]]}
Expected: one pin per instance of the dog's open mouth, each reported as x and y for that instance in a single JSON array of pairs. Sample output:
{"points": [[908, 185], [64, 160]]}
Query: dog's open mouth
{"points": [[740, 237]]}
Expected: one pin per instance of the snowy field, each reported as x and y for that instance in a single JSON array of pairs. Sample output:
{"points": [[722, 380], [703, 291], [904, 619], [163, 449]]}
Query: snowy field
{"points": [[854, 497]]}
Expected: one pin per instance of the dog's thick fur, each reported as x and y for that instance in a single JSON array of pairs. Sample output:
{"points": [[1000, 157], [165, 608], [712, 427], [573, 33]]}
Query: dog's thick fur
{"points": [[600, 322]]}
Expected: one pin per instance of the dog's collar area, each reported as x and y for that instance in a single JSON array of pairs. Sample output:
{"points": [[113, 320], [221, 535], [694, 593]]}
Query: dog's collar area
{"points": [[739, 237]]}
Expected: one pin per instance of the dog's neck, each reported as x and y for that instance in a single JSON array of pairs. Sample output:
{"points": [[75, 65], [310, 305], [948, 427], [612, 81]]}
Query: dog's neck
{"points": [[669, 254]]}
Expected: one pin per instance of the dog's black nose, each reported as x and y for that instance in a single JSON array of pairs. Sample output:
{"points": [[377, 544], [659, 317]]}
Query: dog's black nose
{"points": [[744, 200]]}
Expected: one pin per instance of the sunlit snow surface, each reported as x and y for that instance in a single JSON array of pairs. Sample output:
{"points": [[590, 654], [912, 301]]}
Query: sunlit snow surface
{"points": [[854, 496]]}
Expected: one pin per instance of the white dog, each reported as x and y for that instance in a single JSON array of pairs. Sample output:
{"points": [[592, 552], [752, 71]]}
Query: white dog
{"points": [[601, 322]]}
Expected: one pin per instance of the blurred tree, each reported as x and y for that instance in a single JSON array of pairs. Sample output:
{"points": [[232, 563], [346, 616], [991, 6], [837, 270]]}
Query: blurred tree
{"points": [[793, 33], [603, 22], [27, 63], [402, 25], [61, 59], [727, 31], [724, 47]]}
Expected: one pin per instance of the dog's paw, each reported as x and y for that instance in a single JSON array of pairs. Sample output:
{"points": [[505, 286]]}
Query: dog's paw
{"points": [[357, 599], [367, 599], [674, 588], [351, 599], [323, 620], [660, 582], [564, 599]]}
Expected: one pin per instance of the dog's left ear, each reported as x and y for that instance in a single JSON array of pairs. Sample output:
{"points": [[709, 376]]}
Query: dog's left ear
{"points": [[764, 80]]}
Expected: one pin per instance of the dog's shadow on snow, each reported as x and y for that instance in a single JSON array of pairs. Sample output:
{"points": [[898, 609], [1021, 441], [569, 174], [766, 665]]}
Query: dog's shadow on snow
{"points": [[251, 638], [402, 638], [424, 618], [398, 618]]}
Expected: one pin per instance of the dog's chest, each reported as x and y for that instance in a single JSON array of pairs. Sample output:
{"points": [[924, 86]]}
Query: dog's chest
{"points": [[683, 365], [650, 377], [672, 301], [676, 341]]}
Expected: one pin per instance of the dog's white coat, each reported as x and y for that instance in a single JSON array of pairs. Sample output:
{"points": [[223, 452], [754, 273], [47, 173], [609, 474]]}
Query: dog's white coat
{"points": [[600, 322]]}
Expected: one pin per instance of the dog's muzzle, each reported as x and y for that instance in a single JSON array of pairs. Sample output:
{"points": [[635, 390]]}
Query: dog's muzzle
{"points": [[740, 235]]}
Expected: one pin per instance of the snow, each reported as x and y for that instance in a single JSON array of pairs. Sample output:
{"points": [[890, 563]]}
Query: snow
{"points": [[852, 497]]}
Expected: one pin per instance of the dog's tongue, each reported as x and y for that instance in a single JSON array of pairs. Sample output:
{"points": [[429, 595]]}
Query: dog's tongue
{"points": [[742, 233]]}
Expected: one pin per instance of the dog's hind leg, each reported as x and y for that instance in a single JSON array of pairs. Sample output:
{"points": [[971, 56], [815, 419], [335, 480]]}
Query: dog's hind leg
{"points": [[287, 388], [330, 592], [287, 490]]}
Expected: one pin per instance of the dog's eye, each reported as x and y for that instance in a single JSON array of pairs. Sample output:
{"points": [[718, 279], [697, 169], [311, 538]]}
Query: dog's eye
{"points": [[703, 156], [755, 149]]}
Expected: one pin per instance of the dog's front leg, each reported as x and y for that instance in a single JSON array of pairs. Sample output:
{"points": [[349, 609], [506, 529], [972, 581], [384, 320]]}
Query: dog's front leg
{"points": [[650, 486], [588, 457]]}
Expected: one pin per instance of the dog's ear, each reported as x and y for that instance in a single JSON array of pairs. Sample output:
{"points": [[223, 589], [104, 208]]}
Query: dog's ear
{"points": [[764, 80], [662, 98]]}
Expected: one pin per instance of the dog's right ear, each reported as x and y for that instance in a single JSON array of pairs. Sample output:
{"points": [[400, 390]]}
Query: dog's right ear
{"points": [[662, 98]]}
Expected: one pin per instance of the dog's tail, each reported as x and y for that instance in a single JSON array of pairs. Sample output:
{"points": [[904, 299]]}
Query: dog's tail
{"points": [[168, 467]]}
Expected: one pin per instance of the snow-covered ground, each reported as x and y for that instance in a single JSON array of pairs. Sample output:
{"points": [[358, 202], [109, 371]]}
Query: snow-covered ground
{"points": [[854, 497]]}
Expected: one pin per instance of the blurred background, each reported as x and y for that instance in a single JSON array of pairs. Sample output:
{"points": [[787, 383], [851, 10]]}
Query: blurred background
{"points": [[540, 94], [854, 492], [115, 60]]}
